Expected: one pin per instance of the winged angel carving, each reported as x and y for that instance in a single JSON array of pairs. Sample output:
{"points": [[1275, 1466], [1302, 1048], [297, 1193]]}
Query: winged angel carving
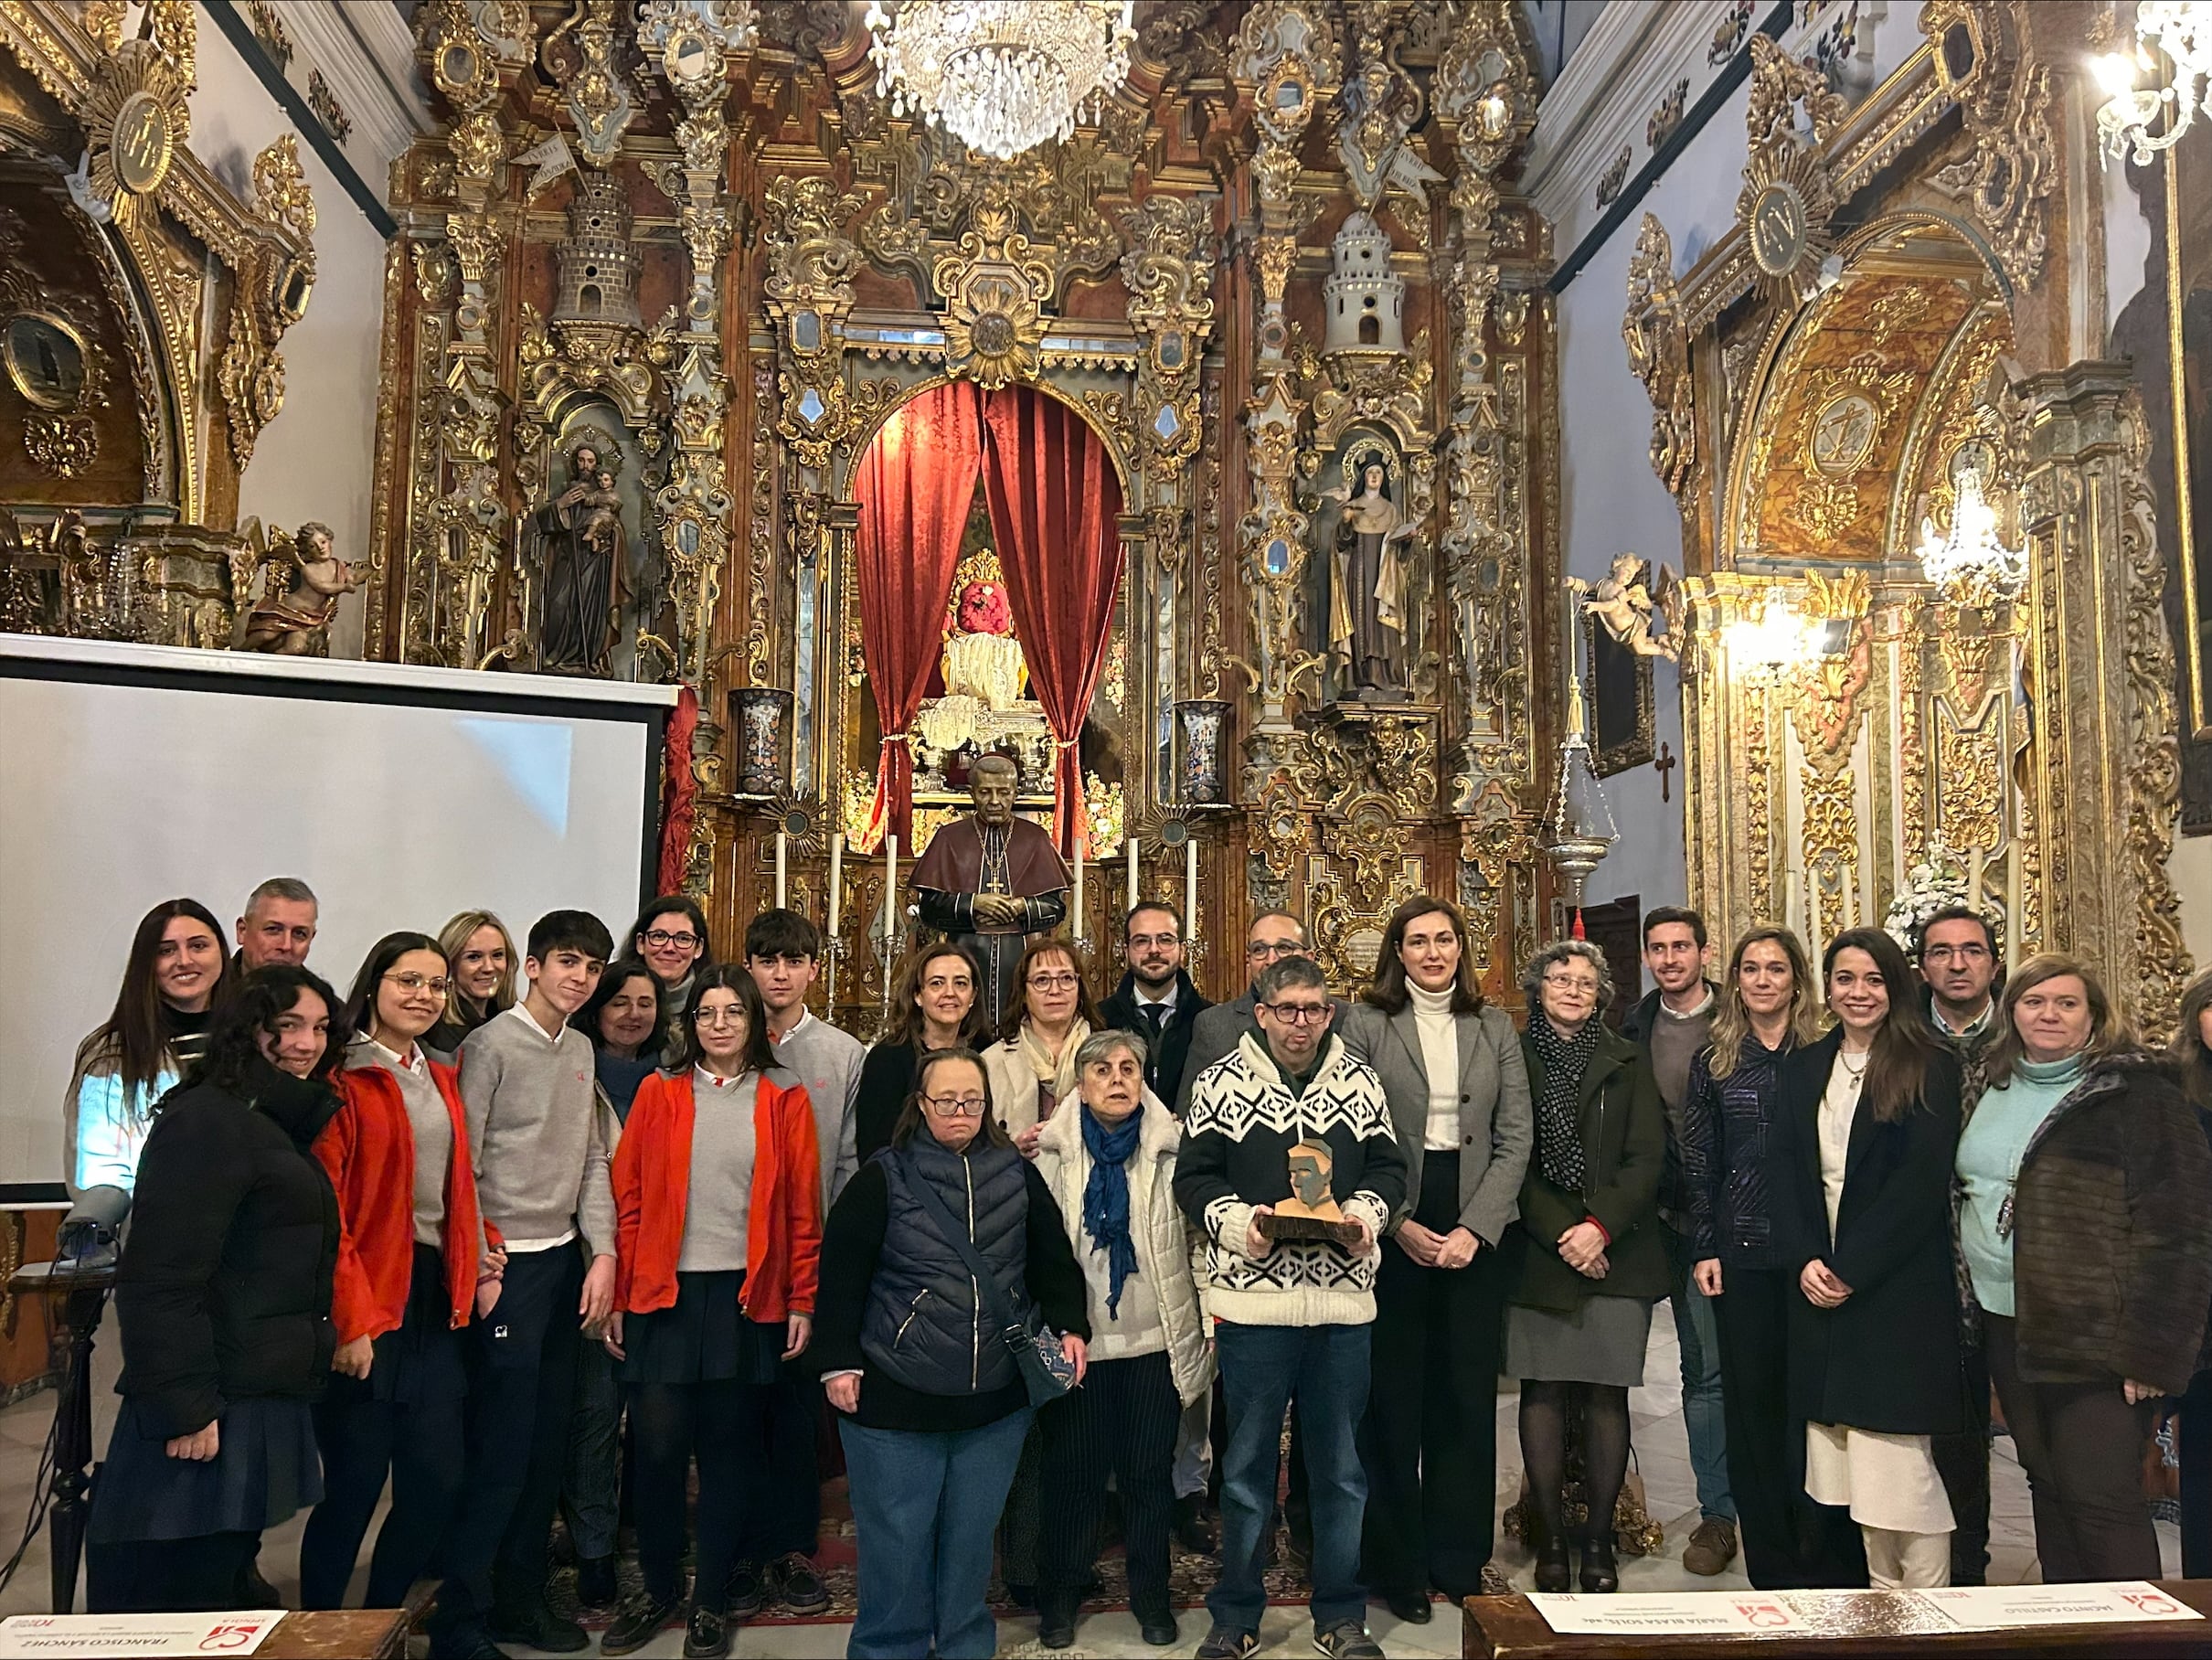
{"points": [[295, 583]]}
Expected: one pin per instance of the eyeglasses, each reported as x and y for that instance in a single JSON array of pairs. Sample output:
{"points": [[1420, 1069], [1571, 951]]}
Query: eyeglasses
{"points": [[1141, 942], [417, 983], [660, 939], [1053, 983], [1298, 1014], [1572, 983], [720, 1016], [1258, 948], [955, 1106]]}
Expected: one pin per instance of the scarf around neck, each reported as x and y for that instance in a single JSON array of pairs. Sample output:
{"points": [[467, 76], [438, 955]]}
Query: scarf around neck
{"points": [[1056, 1076], [1106, 1196], [1558, 1129]]}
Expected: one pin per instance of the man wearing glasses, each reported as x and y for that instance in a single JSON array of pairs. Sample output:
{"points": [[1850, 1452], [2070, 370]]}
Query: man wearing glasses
{"points": [[1290, 1317], [1273, 935], [1156, 998], [1958, 962]]}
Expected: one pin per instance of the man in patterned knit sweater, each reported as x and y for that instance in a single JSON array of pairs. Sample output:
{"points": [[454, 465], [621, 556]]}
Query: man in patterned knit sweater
{"points": [[1290, 1317]]}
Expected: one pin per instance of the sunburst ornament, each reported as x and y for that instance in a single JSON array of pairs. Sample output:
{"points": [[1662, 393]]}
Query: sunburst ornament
{"points": [[1784, 208], [135, 120]]}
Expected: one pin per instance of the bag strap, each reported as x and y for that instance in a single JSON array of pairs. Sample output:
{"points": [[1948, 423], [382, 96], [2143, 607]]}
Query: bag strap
{"points": [[998, 1303]]}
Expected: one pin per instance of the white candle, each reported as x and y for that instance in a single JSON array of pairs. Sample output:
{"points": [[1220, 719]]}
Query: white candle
{"points": [[780, 891], [1190, 888], [1075, 922], [2015, 902], [836, 881], [1129, 845], [1973, 877], [1792, 915], [891, 890]]}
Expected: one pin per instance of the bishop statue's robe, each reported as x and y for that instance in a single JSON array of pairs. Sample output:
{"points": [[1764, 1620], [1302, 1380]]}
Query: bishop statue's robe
{"points": [[966, 858]]}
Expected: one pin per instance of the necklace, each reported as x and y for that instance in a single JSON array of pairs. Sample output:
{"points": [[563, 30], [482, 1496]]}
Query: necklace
{"points": [[1855, 1072]]}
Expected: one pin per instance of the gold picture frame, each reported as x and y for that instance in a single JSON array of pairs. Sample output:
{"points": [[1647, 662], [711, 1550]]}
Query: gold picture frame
{"points": [[48, 360]]}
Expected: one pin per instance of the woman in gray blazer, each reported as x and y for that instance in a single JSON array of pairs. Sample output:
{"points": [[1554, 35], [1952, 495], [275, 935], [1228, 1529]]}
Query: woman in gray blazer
{"points": [[1458, 1089]]}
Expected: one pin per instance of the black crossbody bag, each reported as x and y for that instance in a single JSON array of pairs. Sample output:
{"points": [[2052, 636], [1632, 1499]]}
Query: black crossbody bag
{"points": [[1047, 1372]]}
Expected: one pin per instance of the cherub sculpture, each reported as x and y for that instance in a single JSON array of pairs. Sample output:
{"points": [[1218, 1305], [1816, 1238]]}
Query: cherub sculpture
{"points": [[300, 582], [1630, 599]]}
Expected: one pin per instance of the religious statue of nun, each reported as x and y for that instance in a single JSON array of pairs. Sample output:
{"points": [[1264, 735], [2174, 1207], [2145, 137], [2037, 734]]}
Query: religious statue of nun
{"points": [[582, 557], [1367, 590], [991, 879]]}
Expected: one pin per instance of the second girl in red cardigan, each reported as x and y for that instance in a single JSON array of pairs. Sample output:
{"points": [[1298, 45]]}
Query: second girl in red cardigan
{"points": [[412, 1263], [718, 1229]]}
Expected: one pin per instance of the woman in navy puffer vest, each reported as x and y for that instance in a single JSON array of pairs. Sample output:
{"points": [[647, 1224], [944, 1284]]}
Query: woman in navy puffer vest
{"points": [[934, 1409]]}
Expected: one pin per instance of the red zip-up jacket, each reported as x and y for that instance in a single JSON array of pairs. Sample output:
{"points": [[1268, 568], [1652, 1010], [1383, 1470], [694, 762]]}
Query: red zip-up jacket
{"points": [[370, 1152], [652, 1183]]}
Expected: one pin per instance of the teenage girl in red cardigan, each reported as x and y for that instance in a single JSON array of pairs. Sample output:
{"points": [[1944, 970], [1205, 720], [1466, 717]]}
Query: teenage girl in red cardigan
{"points": [[718, 1226], [412, 1263]]}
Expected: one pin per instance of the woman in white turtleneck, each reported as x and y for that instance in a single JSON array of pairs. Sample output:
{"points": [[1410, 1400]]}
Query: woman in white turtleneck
{"points": [[1458, 1089]]}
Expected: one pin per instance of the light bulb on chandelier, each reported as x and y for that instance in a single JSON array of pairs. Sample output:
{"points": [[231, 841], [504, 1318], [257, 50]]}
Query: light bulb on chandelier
{"points": [[2180, 31], [1002, 76], [1971, 558]]}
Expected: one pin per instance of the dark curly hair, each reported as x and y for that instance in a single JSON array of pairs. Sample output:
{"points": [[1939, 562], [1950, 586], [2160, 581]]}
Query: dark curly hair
{"points": [[234, 1046]]}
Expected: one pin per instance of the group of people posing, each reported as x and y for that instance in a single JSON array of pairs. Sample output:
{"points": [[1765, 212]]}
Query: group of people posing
{"points": [[458, 1227]]}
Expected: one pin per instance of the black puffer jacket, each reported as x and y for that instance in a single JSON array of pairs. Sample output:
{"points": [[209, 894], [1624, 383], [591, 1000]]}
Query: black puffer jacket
{"points": [[224, 1289]]}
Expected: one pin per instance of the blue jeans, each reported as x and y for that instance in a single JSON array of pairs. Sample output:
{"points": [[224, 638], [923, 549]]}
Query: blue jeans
{"points": [[925, 1507], [1699, 1339], [1262, 1367]]}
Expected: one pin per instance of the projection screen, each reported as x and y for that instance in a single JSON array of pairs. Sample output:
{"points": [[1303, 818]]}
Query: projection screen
{"points": [[134, 774]]}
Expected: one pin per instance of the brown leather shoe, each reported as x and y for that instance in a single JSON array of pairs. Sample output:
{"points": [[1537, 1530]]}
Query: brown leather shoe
{"points": [[1711, 1548]]}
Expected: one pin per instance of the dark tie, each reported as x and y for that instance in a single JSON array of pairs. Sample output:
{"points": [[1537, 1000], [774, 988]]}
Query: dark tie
{"points": [[1155, 1016]]}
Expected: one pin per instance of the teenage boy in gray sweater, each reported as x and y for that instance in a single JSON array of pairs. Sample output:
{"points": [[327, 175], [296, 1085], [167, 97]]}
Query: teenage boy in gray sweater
{"points": [[526, 1085], [782, 952]]}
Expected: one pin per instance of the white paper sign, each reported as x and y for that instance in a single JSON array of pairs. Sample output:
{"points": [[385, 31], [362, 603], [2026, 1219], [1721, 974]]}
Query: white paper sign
{"points": [[1688, 1614], [1997, 1607], [136, 1634]]}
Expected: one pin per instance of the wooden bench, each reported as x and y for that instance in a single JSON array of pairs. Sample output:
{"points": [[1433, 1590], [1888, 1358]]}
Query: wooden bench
{"points": [[1857, 1624]]}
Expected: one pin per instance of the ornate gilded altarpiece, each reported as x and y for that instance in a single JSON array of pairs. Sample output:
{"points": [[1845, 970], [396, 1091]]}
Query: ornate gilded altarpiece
{"points": [[793, 261], [1892, 307], [142, 305]]}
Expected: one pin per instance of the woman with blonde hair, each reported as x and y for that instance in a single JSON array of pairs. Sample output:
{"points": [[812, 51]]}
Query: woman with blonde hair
{"points": [[1766, 1010], [480, 965], [2085, 1226]]}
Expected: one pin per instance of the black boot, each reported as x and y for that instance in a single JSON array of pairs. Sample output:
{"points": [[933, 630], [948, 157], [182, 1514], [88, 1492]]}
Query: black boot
{"points": [[1555, 1573], [1600, 1573]]}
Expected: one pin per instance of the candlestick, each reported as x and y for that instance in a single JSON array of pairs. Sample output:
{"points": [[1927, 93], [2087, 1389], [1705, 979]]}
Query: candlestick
{"points": [[781, 892], [1190, 888], [1075, 919], [836, 881], [1129, 843], [890, 898]]}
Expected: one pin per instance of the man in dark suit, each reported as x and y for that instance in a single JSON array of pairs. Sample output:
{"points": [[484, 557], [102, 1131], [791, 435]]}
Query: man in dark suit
{"points": [[1156, 999]]}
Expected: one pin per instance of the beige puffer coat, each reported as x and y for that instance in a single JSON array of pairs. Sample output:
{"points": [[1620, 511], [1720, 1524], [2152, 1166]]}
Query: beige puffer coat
{"points": [[1155, 1225]]}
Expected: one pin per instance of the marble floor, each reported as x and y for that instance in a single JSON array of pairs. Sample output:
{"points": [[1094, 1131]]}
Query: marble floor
{"points": [[1662, 1455]]}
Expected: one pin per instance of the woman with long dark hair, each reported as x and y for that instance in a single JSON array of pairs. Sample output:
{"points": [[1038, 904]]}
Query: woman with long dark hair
{"points": [[718, 1203], [1766, 1008], [934, 1005], [1032, 1065], [480, 965], [158, 1027], [621, 1018], [1453, 1071], [932, 1406], [1586, 1261], [413, 1265], [2085, 1228], [1867, 1125], [2191, 1053], [223, 1300]]}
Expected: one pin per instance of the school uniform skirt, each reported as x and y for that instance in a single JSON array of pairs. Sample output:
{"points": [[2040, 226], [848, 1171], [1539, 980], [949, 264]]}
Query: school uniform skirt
{"points": [[703, 1337]]}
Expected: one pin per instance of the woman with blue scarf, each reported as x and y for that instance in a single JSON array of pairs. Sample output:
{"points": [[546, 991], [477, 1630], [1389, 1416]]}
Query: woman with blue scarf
{"points": [[1111, 1168]]}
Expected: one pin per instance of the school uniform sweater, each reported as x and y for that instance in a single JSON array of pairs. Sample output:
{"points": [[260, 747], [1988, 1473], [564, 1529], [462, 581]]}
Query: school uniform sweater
{"points": [[534, 1132]]}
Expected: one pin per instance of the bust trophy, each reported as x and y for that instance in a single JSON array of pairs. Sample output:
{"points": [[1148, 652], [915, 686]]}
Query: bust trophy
{"points": [[1312, 1211], [990, 880]]}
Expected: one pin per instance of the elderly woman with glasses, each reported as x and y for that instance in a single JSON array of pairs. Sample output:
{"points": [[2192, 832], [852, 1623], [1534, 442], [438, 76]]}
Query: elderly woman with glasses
{"points": [[1109, 1159], [933, 1407], [1586, 1259]]}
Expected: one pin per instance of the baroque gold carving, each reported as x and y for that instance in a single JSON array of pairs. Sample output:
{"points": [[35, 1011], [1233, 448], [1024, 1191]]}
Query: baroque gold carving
{"points": [[1984, 60], [1659, 354], [135, 121], [995, 290]]}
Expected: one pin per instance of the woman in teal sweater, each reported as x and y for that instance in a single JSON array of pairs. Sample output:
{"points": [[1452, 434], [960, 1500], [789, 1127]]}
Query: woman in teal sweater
{"points": [[2085, 1229]]}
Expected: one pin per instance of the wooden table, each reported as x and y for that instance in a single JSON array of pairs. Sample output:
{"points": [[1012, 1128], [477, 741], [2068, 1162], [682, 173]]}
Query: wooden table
{"points": [[370, 1634], [1866, 1622]]}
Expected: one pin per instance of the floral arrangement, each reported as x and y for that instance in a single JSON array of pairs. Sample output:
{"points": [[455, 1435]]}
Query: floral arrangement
{"points": [[983, 609], [1108, 816], [1938, 882]]}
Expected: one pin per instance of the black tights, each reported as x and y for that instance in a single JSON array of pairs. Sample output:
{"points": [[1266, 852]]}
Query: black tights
{"points": [[1547, 1409], [718, 1423]]}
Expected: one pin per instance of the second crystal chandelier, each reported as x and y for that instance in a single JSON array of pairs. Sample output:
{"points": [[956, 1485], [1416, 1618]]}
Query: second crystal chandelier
{"points": [[1002, 76]]}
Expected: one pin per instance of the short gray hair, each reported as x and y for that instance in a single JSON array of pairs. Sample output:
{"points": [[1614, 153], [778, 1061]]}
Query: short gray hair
{"points": [[1099, 1045], [287, 888], [1284, 973], [1562, 950]]}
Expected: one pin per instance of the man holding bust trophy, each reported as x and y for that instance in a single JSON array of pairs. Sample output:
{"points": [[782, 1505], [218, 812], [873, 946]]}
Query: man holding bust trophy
{"points": [[1291, 1168]]}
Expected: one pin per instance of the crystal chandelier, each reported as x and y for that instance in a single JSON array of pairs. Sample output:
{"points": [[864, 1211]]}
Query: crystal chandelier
{"points": [[2182, 30], [1971, 557], [1002, 76]]}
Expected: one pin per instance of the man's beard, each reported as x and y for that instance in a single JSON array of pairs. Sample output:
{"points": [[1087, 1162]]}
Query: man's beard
{"points": [[1151, 982]]}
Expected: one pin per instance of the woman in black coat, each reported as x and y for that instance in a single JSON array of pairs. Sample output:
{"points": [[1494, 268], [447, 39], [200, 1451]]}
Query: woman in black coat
{"points": [[223, 1301], [1867, 1126], [933, 1006]]}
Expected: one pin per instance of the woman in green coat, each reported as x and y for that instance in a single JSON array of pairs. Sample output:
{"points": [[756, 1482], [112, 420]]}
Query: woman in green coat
{"points": [[1586, 1259]]}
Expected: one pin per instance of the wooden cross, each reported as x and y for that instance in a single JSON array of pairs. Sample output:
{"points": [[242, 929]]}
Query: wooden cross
{"points": [[1664, 766]]}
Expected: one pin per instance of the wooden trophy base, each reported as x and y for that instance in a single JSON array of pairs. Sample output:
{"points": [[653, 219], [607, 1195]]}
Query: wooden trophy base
{"points": [[1308, 1225]]}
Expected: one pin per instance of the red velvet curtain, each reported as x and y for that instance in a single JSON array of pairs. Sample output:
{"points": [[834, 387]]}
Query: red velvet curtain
{"points": [[916, 484], [1055, 503]]}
